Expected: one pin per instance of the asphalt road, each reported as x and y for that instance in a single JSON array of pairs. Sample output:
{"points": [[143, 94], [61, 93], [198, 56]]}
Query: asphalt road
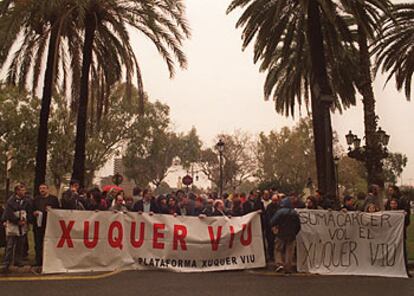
{"points": [[150, 283]]}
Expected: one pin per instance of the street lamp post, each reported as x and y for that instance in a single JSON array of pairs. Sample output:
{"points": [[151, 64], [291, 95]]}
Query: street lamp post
{"points": [[336, 161], [371, 156], [220, 149]]}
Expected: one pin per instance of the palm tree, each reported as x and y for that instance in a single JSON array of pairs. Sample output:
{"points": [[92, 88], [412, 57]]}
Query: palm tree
{"points": [[373, 162], [41, 23], [394, 47], [105, 28], [322, 67]]}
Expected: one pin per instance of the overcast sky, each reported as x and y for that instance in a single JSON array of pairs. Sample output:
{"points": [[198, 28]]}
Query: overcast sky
{"points": [[221, 90]]}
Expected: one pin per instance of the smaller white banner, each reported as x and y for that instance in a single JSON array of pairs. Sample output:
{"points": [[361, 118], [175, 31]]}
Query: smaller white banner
{"points": [[351, 243]]}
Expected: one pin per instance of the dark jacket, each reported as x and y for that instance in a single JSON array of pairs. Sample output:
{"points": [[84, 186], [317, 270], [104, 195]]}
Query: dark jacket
{"points": [[13, 205], [250, 206], [139, 206], [22, 206], [271, 210], [72, 201], [236, 211], [403, 204], [41, 203], [288, 223]]}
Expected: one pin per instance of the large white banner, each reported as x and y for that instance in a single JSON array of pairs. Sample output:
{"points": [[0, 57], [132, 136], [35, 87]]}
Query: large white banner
{"points": [[79, 241], [351, 243]]}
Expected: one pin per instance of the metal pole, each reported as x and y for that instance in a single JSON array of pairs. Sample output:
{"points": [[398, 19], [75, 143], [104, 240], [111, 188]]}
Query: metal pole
{"points": [[337, 180], [221, 174]]}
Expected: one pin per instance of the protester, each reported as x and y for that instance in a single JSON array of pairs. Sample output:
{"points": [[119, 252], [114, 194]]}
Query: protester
{"points": [[129, 203], [371, 208], [374, 198], [319, 196], [292, 201], [311, 203], [227, 199], [119, 204], [185, 204], [348, 203], [209, 208], [360, 201], [41, 203], [396, 201], [331, 202], [394, 205], [243, 197], [198, 206], [270, 211], [136, 194], [147, 204], [173, 208], [162, 204], [17, 215], [71, 199], [252, 204], [266, 200], [218, 208], [236, 207], [286, 225]]}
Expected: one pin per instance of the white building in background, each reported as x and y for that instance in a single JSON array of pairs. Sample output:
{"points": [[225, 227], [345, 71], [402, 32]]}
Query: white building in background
{"points": [[177, 172], [174, 178]]}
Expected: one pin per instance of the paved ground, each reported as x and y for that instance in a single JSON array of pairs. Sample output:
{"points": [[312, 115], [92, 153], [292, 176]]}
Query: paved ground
{"points": [[151, 283]]}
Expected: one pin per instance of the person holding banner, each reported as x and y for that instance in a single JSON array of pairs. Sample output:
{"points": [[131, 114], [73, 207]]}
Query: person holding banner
{"points": [[40, 204], [147, 204], [396, 201]]}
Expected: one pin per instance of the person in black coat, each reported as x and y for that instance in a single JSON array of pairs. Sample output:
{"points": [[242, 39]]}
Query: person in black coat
{"points": [[286, 225], [71, 199], [40, 205], [147, 204], [252, 204], [17, 215], [270, 211]]}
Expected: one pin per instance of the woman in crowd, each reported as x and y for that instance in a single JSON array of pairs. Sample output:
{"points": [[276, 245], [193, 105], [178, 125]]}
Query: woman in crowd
{"points": [[162, 204], [311, 203], [172, 207], [236, 208]]}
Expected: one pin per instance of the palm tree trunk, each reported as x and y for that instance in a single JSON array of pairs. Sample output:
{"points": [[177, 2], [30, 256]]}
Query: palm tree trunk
{"points": [[79, 160], [372, 161], [321, 97], [42, 135]]}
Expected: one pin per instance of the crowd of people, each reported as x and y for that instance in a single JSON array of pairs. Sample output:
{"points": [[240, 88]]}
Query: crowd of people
{"points": [[280, 221]]}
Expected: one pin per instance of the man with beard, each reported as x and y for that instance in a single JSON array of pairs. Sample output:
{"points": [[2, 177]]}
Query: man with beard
{"points": [[40, 205]]}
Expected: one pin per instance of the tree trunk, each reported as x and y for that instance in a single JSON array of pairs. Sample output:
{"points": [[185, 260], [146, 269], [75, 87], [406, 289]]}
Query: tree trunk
{"points": [[79, 160], [42, 135], [372, 161], [321, 97]]}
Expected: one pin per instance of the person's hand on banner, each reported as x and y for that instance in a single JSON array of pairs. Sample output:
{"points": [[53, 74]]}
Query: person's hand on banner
{"points": [[139, 212]]}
